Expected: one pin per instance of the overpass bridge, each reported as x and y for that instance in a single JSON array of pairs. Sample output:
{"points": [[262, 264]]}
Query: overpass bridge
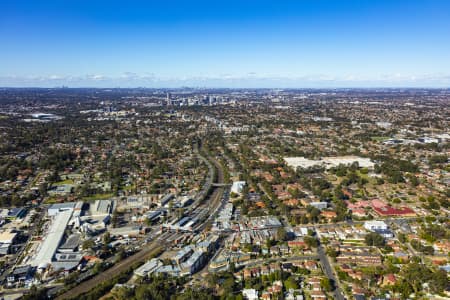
{"points": [[221, 184]]}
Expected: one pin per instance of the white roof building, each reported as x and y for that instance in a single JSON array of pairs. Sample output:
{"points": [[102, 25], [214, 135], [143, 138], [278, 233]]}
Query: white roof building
{"points": [[54, 209], [148, 267], [237, 187], [250, 294], [375, 225], [102, 207], [328, 162], [52, 239], [7, 237]]}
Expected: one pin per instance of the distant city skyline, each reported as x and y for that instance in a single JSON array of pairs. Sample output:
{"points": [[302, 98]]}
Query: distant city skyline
{"points": [[236, 44]]}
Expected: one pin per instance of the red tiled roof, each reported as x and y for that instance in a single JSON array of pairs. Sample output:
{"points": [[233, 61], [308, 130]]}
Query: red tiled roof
{"points": [[391, 211]]}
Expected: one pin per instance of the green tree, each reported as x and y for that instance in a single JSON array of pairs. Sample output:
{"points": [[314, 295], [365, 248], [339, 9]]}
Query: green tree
{"points": [[291, 283], [439, 281], [282, 234], [374, 239], [326, 284]]}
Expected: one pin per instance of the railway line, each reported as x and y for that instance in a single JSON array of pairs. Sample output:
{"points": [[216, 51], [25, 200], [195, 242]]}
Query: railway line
{"points": [[206, 208]]}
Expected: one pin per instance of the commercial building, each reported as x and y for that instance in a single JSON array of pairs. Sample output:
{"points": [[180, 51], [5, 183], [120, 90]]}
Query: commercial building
{"points": [[54, 209], [375, 225], [388, 211], [21, 274], [194, 263], [127, 231], [52, 239], [6, 240], [16, 213], [66, 261], [237, 187], [148, 268], [183, 254], [328, 162], [164, 200], [102, 208], [71, 244]]}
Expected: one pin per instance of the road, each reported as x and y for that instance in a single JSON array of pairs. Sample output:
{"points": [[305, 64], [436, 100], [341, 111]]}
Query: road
{"points": [[337, 294]]}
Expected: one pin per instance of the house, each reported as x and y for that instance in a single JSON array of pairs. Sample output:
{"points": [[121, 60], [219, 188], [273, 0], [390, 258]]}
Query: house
{"points": [[275, 250], [274, 267], [291, 202], [363, 259], [247, 274], [319, 205], [329, 215], [442, 246], [359, 212], [277, 287], [357, 275], [310, 265], [318, 295], [284, 249], [297, 244], [388, 279], [402, 256], [255, 272], [250, 294], [265, 270]]}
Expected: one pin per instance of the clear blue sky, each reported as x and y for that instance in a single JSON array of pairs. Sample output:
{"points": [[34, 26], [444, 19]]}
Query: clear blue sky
{"points": [[297, 43]]}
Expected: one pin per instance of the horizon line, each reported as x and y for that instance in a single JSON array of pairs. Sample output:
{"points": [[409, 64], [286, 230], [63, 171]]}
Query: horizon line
{"points": [[235, 88]]}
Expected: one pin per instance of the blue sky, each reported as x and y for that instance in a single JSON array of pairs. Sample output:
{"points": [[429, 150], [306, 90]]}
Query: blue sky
{"points": [[244, 43]]}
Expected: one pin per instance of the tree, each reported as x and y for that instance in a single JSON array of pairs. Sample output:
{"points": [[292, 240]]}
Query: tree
{"points": [[106, 238], [331, 252], [43, 189], [439, 281], [115, 219], [402, 237], [416, 274], [35, 294], [374, 239], [311, 241], [326, 284], [282, 234], [290, 283], [88, 244]]}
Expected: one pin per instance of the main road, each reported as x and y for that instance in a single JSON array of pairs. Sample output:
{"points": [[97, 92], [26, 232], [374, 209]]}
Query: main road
{"points": [[337, 294]]}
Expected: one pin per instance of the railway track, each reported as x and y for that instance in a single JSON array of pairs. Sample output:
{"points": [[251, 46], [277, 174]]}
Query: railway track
{"points": [[118, 268], [152, 247]]}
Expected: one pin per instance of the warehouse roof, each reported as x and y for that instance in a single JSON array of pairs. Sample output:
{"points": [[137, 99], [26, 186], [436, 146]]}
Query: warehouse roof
{"points": [[51, 242]]}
